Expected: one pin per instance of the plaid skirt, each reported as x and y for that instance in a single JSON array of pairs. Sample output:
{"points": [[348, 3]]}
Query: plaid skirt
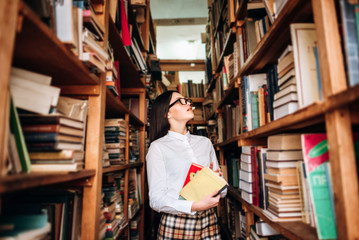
{"points": [[203, 225]]}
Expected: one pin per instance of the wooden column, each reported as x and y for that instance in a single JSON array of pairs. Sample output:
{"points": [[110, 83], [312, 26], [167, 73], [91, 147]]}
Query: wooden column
{"points": [[143, 116], [8, 21], [93, 160], [338, 124]]}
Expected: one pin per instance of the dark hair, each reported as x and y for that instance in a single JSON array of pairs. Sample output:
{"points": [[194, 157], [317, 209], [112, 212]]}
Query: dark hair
{"points": [[159, 124]]}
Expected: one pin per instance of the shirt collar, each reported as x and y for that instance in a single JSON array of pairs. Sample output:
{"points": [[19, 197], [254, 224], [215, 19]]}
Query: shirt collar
{"points": [[180, 136]]}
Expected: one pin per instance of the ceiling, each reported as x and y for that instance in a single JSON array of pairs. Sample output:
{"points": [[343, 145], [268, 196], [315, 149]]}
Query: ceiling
{"points": [[179, 25]]}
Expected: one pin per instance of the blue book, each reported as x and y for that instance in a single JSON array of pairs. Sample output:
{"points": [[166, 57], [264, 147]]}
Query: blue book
{"points": [[316, 54], [350, 39]]}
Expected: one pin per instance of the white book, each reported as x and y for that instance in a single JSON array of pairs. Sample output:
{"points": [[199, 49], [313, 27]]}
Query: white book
{"points": [[246, 176], [284, 155], [72, 167], [291, 81], [248, 197], [285, 109], [35, 101], [246, 150], [291, 97], [289, 89], [304, 40], [290, 74], [32, 76], [246, 158], [53, 92], [288, 49], [64, 22], [246, 166], [245, 186], [264, 229], [281, 164]]}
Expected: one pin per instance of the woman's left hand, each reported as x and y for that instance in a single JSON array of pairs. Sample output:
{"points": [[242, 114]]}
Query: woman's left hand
{"points": [[216, 171]]}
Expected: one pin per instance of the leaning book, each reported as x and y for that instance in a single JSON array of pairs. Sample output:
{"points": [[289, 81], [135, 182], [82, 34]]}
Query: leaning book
{"points": [[202, 184]]}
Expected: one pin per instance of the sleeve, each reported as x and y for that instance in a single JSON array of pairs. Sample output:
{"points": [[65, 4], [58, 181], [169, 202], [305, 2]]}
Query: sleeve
{"points": [[160, 200], [213, 158]]}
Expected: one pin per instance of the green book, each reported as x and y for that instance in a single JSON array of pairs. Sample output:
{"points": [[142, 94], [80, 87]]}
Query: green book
{"points": [[316, 159], [16, 129], [255, 110]]}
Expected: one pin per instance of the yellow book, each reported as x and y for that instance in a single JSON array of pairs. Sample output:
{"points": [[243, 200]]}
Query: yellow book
{"points": [[203, 183]]}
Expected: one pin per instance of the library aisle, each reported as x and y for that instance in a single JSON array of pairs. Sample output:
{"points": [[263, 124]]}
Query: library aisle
{"points": [[274, 86]]}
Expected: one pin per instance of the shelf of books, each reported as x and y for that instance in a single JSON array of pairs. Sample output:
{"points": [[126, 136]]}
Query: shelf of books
{"points": [[290, 230], [286, 103], [122, 53], [38, 46], [68, 117], [25, 181]]}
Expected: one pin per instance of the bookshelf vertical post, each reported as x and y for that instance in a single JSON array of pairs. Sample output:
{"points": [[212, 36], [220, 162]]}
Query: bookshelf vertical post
{"points": [[7, 41], [338, 123], [93, 157]]}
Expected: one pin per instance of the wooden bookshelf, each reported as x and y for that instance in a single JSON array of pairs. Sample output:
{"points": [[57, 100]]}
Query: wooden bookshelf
{"points": [[24, 181], [39, 49], [30, 44], [336, 114], [291, 230], [127, 67], [115, 168]]}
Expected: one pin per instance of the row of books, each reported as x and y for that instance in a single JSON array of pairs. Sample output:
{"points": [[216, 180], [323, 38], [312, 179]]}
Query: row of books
{"points": [[115, 142], [47, 131], [43, 214], [112, 218], [292, 84], [282, 178], [190, 89], [236, 219]]}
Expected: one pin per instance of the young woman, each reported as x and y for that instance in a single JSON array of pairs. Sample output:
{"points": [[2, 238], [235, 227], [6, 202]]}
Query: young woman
{"points": [[169, 157]]}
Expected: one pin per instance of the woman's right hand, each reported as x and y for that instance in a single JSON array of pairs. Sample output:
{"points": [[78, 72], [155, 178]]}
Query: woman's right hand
{"points": [[206, 203]]}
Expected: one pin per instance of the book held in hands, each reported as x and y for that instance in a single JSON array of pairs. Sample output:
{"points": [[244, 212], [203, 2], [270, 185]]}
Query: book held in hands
{"points": [[203, 183]]}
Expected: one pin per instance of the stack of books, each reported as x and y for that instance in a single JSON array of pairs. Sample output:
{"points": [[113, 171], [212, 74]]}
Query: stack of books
{"points": [[247, 177], [286, 100], [55, 142], [112, 205], [283, 155], [134, 144], [115, 140]]}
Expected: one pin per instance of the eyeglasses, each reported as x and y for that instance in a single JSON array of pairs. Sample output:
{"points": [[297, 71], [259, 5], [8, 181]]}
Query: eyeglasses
{"points": [[183, 101]]}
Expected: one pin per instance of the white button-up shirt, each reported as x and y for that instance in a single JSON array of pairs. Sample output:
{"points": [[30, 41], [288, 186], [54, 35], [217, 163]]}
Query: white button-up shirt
{"points": [[168, 161]]}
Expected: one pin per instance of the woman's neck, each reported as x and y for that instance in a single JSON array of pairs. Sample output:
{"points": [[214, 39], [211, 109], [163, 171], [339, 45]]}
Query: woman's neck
{"points": [[179, 129]]}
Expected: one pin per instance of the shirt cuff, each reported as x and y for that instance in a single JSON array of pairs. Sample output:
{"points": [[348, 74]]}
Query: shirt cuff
{"points": [[186, 206]]}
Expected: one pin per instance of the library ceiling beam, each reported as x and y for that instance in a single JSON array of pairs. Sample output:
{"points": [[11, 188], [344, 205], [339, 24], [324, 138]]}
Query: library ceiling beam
{"points": [[182, 65], [180, 21]]}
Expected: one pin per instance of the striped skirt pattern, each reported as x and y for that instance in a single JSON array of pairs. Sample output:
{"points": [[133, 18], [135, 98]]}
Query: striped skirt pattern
{"points": [[203, 225]]}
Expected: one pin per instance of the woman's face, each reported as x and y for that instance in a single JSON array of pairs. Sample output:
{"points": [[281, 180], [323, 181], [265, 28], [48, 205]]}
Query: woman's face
{"points": [[179, 111]]}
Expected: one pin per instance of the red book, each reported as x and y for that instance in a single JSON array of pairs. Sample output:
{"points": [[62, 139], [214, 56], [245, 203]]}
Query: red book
{"points": [[193, 169]]}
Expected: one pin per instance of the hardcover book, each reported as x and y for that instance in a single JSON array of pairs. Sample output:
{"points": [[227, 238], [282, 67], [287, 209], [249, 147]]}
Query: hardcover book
{"points": [[316, 158], [203, 183]]}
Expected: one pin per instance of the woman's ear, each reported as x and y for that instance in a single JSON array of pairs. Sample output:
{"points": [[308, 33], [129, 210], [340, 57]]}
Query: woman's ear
{"points": [[168, 115]]}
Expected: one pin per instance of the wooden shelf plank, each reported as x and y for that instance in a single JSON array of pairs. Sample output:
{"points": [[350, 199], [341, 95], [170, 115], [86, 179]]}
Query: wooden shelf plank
{"points": [[113, 105], [38, 49], [129, 75], [116, 168], [276, 40], [227, 49], [291, 230], [197, 100], [230, 94], [24, 181], [240, 13], [193, 122]]}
